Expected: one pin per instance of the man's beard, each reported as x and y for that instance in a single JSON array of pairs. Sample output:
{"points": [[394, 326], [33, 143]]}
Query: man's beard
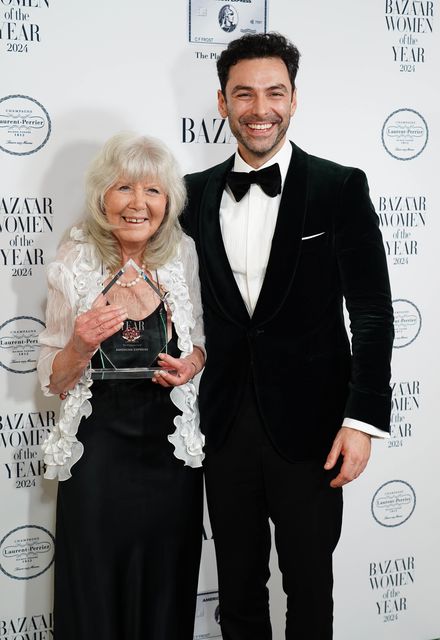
{"points": [[255, 148]]}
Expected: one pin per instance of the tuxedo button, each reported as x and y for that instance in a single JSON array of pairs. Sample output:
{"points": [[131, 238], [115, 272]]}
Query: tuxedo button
{"points": [[255, 333]]}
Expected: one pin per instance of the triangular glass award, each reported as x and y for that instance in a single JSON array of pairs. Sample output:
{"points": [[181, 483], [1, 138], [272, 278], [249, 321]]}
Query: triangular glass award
{"points": [[132, 352]]}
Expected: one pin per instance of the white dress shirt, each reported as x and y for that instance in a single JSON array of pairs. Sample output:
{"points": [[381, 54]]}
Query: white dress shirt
{"points": [[247, 229]]}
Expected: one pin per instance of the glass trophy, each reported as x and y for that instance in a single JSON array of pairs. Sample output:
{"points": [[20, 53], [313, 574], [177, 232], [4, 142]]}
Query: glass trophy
{"points": [[132, 352]]}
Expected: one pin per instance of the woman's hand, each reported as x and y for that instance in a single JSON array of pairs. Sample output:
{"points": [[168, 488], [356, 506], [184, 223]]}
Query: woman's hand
{"points": [[90, 329], [177, 371], [96, 325]]}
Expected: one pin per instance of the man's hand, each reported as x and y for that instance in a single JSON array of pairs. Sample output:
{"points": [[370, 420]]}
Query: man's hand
{"points": [[355, 447]]}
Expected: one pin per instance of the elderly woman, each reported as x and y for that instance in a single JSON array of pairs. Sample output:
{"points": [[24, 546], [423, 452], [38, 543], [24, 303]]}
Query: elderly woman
{"points": [[129, 516]]}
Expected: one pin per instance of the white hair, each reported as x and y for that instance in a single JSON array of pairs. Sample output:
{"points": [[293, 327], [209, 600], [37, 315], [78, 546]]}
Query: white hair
{"points": [[133, 157]]}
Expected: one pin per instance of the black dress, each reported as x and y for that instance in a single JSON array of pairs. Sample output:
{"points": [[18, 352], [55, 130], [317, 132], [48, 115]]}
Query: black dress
{"points": [[129, 520]]}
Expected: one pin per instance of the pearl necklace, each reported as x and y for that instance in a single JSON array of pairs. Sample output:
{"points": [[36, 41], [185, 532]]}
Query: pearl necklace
{"points": [[131, 283]]}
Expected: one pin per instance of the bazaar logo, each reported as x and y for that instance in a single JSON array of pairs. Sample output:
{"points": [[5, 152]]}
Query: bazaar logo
{"points": [[206, 131]]}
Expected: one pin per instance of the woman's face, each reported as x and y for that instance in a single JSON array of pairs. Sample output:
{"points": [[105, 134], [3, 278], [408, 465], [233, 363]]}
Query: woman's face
{"points": [[135, 209]]}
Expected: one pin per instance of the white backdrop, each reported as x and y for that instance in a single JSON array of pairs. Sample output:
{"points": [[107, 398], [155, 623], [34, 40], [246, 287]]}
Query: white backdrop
{"points": [[74, 73]]}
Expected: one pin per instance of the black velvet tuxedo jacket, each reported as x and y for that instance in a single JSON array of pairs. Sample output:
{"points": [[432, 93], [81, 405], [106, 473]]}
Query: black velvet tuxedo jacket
{"points": [[327, 246]]}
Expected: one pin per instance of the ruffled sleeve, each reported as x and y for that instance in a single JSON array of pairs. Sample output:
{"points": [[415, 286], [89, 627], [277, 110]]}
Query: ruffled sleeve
{"points": [[180, 278], [191, 273], [59, 314], [74, 281]]}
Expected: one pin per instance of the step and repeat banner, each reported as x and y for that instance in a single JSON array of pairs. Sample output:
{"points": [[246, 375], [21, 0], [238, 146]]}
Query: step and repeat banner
{"points": [[74, 73]]}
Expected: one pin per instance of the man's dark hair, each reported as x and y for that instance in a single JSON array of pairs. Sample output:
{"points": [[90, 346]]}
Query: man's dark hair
{"points": [[258, 45]]}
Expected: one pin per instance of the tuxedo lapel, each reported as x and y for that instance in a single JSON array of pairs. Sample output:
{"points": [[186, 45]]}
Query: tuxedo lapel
{"points": [[214, 260], [286, 243]]}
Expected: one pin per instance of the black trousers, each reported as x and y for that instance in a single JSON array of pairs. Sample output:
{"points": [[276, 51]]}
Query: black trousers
{"points": [[247, 483]]}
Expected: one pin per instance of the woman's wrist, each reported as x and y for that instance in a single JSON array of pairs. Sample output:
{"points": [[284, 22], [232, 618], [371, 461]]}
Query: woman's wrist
{"points": [[80, 357], [197, 360], [68, 367], [195, 367]]}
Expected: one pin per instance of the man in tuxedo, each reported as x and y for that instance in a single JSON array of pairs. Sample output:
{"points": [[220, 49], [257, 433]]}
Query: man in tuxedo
{"points": [[287, 408]]}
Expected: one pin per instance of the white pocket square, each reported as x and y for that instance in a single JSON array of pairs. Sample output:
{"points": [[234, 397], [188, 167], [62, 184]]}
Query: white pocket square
{"points": [[316, 235]]}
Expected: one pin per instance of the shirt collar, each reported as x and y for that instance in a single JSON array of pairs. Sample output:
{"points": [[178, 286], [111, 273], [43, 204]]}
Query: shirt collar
{"points": [[283, 157]]}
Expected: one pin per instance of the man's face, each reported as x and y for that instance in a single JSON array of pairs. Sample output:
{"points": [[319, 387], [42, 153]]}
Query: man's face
{"points": [[258, 102]]}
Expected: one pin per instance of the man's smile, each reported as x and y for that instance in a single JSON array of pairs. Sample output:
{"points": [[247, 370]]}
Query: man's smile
{"points": [[260, 127]]}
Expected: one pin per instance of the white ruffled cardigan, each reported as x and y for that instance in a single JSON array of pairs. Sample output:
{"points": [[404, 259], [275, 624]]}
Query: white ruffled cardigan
{"points": [[75, 279]]}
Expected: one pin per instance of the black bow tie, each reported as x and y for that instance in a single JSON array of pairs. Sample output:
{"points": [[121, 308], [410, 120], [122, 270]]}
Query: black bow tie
{"points": [[269, 180]]}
